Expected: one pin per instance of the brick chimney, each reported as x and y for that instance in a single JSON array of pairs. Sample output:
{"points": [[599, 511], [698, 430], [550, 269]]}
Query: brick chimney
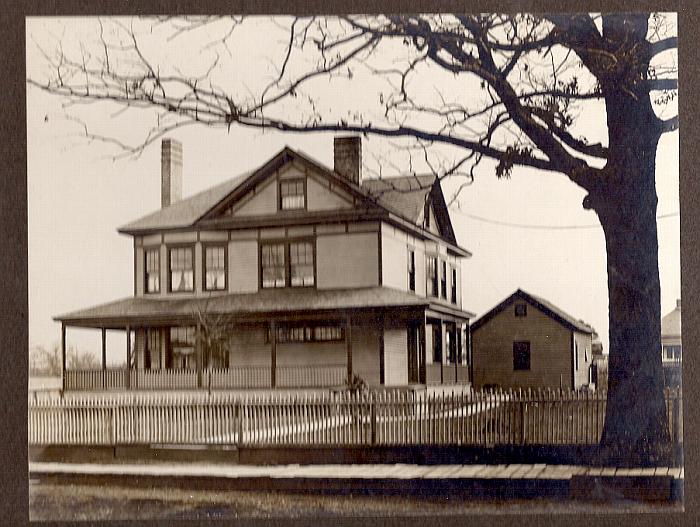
{"points": [[347, 157], [170, 172]]}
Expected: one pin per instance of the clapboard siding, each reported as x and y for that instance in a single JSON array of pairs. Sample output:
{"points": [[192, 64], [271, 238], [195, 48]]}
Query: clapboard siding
{"points": [[365, 353], [550, 350], [243, 266], [264, 201], [347, 260], [320, 197], [248, 347], [395, 357]]}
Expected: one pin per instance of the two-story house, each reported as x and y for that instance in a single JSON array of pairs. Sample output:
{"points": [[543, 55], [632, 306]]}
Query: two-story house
{"points": [[312, 275]]}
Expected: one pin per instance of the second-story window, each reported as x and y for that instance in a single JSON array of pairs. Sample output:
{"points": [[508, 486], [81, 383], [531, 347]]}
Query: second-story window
{"points": [[215, 268], [411, 270], [301, 264], [284, 264], [292, 194], [431, 276], [181, 269], [272, 261], [443, 280], [453, 285], [152, 270]]}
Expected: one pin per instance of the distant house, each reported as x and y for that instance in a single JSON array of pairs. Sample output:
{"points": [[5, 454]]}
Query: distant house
{"points": [[672, 347], [599, 368], [315, 274], [525, 341]]}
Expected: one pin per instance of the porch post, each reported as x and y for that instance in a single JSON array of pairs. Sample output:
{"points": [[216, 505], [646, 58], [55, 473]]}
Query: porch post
{"points": [[104, 357], [63, 356], [128, 357], [442, 350], [457, 346], [348, 346], [273, 353], [198, 354]]}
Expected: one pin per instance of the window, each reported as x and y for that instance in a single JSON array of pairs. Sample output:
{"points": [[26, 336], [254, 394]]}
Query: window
{"points": [[411, 270], [431, 275], [181, 270], [304, 333], [292, 194], [453, 285], [575, 355], [671, 353], [426, 215], [443, 280], [182, 344], [520, 310], [301, 264], [437, 344], [215, 268], [152, 348], [451, 343], [284, 264], [152, 270], [521, 356]]}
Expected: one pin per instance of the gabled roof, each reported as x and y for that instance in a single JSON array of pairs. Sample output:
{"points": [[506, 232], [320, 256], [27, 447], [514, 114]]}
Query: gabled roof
{"points": [[540, 303], [391, 195], [671, 323], [140, 309], [187, 211]]}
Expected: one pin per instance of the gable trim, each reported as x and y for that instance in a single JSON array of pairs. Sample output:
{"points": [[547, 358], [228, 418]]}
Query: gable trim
{"points": [[522, 295]]}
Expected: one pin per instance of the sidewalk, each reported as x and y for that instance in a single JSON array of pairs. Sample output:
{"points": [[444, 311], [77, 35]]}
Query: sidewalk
{"points": [[521, 480]]}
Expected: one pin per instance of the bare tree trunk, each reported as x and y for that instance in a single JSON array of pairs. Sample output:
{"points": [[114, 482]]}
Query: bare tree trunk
{"points": [[635, 431]]}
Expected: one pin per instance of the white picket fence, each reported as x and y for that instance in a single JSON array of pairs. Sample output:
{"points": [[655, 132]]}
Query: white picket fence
{"points": [[532, 417]]}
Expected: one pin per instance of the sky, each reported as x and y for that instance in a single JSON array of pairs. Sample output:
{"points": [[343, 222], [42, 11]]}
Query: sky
{"points": [[78, 195]]}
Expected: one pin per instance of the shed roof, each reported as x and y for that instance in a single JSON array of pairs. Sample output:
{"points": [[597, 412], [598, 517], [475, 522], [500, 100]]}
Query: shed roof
{"points": [[140, 309], [540, 303]]}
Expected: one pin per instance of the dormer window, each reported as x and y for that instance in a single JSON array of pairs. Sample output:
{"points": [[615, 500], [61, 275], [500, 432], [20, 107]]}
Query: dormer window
{"points": [[292, 194]]}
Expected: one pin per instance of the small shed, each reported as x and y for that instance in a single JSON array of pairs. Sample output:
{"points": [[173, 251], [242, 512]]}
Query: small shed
{"points": [[526, 341]]}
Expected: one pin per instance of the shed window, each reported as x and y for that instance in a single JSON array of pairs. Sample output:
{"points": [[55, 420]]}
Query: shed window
{"points": [[181, 269], [521, 355], [153, 270], [292, 194]]}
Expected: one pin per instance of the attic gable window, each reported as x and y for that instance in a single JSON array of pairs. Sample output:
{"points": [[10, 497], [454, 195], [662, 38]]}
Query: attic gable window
{"points": [[520, 310], [181, 269], [292, 194]]}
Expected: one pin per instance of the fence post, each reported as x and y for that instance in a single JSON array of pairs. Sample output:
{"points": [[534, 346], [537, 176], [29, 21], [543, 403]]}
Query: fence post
{"points": [[676, 417], [522, 419], [373, 421], [239, 417]]}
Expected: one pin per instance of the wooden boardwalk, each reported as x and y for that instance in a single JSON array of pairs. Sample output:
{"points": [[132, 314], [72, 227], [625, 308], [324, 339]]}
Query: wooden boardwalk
{"points": [[363, 471]]}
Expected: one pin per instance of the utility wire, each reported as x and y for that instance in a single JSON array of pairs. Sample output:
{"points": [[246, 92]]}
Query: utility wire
{"points": [[542, 227]]}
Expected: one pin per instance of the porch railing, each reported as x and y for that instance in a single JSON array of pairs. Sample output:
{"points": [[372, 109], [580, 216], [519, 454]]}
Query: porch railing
{"points": [[223, 378]]}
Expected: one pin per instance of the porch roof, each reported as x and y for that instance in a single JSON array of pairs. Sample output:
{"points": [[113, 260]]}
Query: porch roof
{"points": [[135, 310]]}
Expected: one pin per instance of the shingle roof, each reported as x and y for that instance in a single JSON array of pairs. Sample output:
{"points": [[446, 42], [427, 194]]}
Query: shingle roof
{"points": [[543, 305], [185, 212], [264, 301], [671, 323], [405, 194]]}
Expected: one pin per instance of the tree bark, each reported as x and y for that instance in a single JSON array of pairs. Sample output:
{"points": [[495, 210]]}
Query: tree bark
{"points": [[635, 431]]}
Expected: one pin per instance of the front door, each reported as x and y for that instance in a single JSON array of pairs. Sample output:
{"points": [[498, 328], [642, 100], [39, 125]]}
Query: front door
{"points": [[413, 373]]}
